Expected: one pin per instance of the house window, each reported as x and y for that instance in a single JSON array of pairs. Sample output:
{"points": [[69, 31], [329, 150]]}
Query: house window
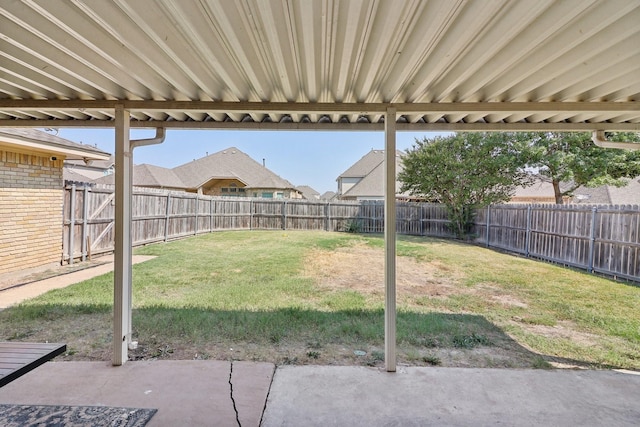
{"points": [[279, 195], [267, 195]]}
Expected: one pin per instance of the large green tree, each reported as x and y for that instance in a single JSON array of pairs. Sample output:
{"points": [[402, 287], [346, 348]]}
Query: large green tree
{"points": [[573, 159], [464, 171]]}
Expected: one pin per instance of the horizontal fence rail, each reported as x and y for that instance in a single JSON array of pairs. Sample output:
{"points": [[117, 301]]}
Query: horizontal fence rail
{"points": [[602, 239]]}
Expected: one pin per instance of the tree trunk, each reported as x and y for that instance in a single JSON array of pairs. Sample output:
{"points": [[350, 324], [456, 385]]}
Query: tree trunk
{"points": [[557, 192]]}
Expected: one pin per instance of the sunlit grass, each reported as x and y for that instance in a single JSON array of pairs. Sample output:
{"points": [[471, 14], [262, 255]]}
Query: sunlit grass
{"points": [[215, 293]]}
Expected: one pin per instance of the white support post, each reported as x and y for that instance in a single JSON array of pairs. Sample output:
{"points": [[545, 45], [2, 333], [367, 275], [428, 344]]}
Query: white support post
{"points": [[122, 250], [390, 240]]}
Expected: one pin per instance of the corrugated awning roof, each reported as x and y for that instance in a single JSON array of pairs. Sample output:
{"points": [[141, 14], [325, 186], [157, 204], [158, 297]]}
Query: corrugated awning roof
{"points": [[298, 64]]}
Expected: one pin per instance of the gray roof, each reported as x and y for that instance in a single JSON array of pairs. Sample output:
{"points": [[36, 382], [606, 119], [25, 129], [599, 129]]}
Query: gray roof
{"points": [[308, 192], [602, 195], [540, 188], [52, 143], [230, 163], [146, 175], [372, 184], [366, 164], [328, 195], [156, 176], [226, 164], [609, 194], [71, 175]]}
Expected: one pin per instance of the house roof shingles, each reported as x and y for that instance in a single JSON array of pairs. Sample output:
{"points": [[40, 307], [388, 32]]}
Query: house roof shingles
{"points": [[328, 195], [308, 192], [372, 184], [365, 165], [542, 190], [609, 194], [230, 163], [46, 142]]}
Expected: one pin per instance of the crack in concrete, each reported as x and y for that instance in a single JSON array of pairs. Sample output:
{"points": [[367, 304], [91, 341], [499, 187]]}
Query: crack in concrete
{"points": [[231, 394], [264, 408]]}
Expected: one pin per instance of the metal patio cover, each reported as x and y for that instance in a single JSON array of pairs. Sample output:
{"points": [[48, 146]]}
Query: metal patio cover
{"points": [[329, 64]]}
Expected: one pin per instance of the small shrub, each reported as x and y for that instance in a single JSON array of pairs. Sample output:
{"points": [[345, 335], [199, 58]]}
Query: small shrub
{"points": [[352, 226], [470, 341], [314, 344], [375, 357], [290, 360], [432, 360], [540, 363]]}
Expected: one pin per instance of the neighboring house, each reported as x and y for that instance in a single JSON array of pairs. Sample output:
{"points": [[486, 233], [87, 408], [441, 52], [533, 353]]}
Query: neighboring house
{"points": [[308, 192], [541, 191], [328, 195], [32, 195], [86, 171], [151, 176], [609, 194], [229, 172], [364, 180]]}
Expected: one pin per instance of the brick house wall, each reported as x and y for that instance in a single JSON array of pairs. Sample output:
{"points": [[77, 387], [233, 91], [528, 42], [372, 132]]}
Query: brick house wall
{"points": [[31, 202]]}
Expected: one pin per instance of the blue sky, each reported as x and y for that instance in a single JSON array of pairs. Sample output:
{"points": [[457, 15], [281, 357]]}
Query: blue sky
{"points": [[311, 158]]}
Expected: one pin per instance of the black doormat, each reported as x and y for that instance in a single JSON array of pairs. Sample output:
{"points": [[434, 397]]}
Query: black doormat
{"points": [[74, 416]]}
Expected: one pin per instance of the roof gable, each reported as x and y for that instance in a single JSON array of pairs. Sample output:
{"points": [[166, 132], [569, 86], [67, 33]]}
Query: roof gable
{"points": [[365, 165], [372, 185]]}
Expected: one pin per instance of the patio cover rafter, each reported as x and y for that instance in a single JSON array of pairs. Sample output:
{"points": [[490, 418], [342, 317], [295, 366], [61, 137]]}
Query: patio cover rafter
{"points": [[481, 111], [325, 108]]}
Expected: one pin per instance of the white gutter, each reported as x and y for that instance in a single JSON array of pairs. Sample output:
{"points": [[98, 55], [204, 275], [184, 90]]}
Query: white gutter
{"points": [[599, 139], [158, 139]]}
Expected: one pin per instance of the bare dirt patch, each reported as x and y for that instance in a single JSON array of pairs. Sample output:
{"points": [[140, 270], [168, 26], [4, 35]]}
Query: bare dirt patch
{"points": [[563, 330], [361, 268]]}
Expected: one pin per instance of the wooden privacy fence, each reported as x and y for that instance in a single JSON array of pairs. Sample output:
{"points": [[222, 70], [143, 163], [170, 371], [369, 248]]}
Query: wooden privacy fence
{"points": [[160, 215], [602, 239]]}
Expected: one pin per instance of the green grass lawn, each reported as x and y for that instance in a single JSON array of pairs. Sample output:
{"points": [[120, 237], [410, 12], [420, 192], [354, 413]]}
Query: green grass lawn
{"points": [[251, 295]]}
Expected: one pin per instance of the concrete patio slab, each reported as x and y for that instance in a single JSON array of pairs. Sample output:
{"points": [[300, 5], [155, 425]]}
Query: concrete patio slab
{"points": [[358, 396], [186, 393]]}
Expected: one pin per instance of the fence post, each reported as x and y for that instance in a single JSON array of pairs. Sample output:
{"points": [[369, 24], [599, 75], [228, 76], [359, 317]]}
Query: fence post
{"points": [[592, 238], [84, 222], [72, 222], [211, 215], [488, 225], [527, 243], [250, 214], [195, 226], [326, 216], [166, 218], [284, 214]]}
